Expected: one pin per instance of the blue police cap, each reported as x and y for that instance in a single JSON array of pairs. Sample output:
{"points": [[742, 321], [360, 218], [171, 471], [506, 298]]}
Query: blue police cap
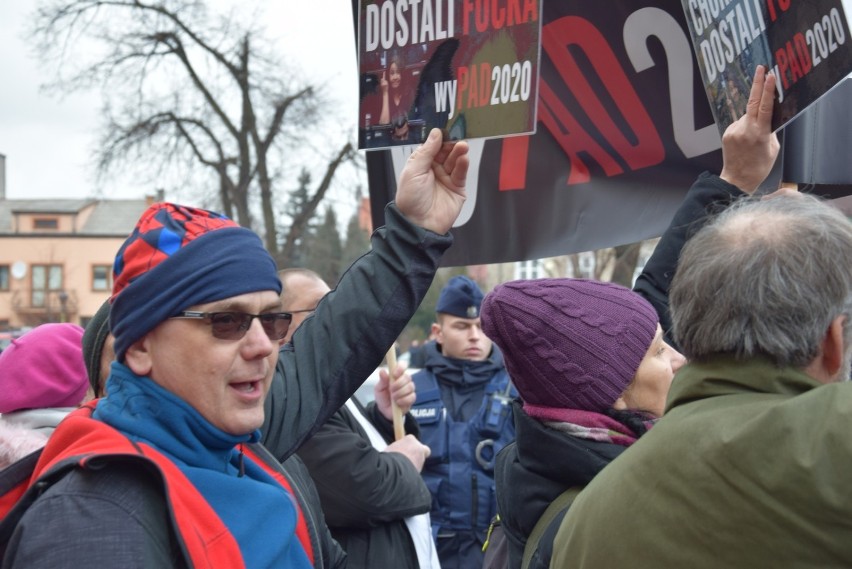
{"points": [[461, 297]]}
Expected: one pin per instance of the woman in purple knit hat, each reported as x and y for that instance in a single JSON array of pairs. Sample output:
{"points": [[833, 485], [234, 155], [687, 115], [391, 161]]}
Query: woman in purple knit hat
{"points": [[592, 370], [589, 359]]}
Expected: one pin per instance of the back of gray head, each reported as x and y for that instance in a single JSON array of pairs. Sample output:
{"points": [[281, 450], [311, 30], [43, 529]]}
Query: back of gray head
{"points": [[766, 277]]}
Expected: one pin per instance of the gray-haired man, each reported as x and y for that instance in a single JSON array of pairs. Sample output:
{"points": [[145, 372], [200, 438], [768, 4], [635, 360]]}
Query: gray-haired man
{"points": [[749, 467]]}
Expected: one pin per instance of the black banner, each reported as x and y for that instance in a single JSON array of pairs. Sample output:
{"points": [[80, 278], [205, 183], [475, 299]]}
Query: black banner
{"points": [[624, 127]]}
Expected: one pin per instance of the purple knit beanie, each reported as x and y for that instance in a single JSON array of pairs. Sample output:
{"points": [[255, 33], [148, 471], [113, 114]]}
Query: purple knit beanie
{"points": [[43, 368], [569, 343]]}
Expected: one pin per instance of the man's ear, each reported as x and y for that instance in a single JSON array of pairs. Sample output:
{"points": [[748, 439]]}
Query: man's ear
{"points": [[436, 332], [832, 349], [138, 357]]}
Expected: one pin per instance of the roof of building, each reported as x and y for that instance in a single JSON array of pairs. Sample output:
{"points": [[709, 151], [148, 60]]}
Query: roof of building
{"points": [[109, 217], [115, 217], [44, 205]]}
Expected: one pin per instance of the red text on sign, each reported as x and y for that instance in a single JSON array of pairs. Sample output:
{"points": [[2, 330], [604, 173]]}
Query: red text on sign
{"points": [[488, 15], [642, 149]]}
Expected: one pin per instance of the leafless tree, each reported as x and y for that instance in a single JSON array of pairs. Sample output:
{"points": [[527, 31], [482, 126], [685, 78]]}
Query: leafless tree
{"points": [[187, 93], [624, 263]]}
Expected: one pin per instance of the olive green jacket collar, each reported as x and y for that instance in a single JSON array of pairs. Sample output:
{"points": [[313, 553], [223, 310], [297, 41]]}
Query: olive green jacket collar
{"points": [[724, 375]]}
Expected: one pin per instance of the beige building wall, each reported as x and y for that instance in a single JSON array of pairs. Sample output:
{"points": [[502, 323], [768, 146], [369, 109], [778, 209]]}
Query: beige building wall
{"points": [[29, 222], [77, 258]]}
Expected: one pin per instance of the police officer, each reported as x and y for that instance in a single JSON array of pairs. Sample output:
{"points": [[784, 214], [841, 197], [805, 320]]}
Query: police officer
{"points": [[463, 396]]}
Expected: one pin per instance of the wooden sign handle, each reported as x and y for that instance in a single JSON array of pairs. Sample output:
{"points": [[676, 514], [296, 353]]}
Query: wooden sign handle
{"points": [[398, 421]]}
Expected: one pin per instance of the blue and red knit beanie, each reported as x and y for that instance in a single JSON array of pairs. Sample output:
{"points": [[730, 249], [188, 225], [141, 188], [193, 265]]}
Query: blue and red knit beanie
{"points": [[569, 343], [178, 257]]}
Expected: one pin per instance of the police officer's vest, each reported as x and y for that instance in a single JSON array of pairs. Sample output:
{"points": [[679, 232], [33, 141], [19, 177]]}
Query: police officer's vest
{"points": [[461, 465]]}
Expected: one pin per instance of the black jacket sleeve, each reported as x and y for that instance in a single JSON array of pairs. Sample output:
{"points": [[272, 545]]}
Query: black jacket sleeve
{"points": [[707, 196], [333, 556], [336, 349], [385, 427], [359, 486]]}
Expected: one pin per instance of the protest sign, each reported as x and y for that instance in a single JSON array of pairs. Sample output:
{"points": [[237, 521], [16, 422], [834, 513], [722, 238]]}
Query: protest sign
{"points": [[806, 45], [468, 67], [624, 129]]}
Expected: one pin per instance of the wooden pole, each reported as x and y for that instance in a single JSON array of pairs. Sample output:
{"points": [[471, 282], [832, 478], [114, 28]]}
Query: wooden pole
{"points": [[398, 421]]}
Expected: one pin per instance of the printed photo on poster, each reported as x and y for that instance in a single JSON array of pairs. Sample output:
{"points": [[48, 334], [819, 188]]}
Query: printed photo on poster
{"points": [[468, 67], [807, 46]]}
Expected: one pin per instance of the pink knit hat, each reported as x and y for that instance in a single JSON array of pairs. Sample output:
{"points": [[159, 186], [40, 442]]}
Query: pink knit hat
{"points": [[569, 343], [43, 368]]}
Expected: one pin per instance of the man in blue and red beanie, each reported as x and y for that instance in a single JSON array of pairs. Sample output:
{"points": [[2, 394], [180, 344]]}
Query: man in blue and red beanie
{"points": [[165, 471]]}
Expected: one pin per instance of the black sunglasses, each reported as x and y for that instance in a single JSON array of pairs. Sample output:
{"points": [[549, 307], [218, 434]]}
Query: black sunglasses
{"points": [[234, 325]]}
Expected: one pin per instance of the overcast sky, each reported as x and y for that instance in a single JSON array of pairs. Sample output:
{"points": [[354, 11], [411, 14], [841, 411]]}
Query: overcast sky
{"points": [[48, 142]]}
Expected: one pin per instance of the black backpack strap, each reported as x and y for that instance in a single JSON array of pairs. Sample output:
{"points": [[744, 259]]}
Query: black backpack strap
{"points": [[18, 473], [557, 507]]}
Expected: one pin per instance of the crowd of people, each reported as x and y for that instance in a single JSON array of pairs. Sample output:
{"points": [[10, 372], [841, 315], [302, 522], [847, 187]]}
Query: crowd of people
{"points": [[205, 417]]}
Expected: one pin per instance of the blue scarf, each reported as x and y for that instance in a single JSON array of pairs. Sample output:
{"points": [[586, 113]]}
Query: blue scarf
{"points": [[257, 510]]}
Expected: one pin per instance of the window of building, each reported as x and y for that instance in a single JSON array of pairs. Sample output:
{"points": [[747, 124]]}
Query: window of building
{"points": [[101, 277], [45, 223], [528, 269], [46, 279], [4, 277], [587, 264]]}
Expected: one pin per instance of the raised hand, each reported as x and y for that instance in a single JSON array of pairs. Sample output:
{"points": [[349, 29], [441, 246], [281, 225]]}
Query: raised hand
{"points": [[749, 147], [383, 84], [431, 189]]}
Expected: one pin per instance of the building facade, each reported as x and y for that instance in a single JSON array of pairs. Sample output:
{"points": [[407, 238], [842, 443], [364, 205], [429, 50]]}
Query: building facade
{"points": [[56, 257]]}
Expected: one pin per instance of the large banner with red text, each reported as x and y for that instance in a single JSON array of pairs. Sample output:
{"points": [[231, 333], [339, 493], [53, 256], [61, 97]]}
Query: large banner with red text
{"points": [[624, 128]]}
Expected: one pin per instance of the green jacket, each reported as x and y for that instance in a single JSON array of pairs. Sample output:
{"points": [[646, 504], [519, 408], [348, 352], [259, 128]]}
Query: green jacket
{"points": [[750, 467]]}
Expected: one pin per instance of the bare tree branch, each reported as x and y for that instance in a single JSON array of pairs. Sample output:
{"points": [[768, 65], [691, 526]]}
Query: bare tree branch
{"points": [[300, 221], [186, 96]]}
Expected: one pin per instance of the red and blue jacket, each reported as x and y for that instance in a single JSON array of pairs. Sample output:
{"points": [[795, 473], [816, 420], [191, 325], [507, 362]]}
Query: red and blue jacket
{"points": [[85, 443]]}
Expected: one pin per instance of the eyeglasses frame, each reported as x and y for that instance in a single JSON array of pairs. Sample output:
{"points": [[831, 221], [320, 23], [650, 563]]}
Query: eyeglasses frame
{"points": [[198, 315]]}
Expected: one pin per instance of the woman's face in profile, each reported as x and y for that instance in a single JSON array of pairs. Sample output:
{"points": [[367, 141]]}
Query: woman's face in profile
{"points": [[395, 76], [650, 386]]}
